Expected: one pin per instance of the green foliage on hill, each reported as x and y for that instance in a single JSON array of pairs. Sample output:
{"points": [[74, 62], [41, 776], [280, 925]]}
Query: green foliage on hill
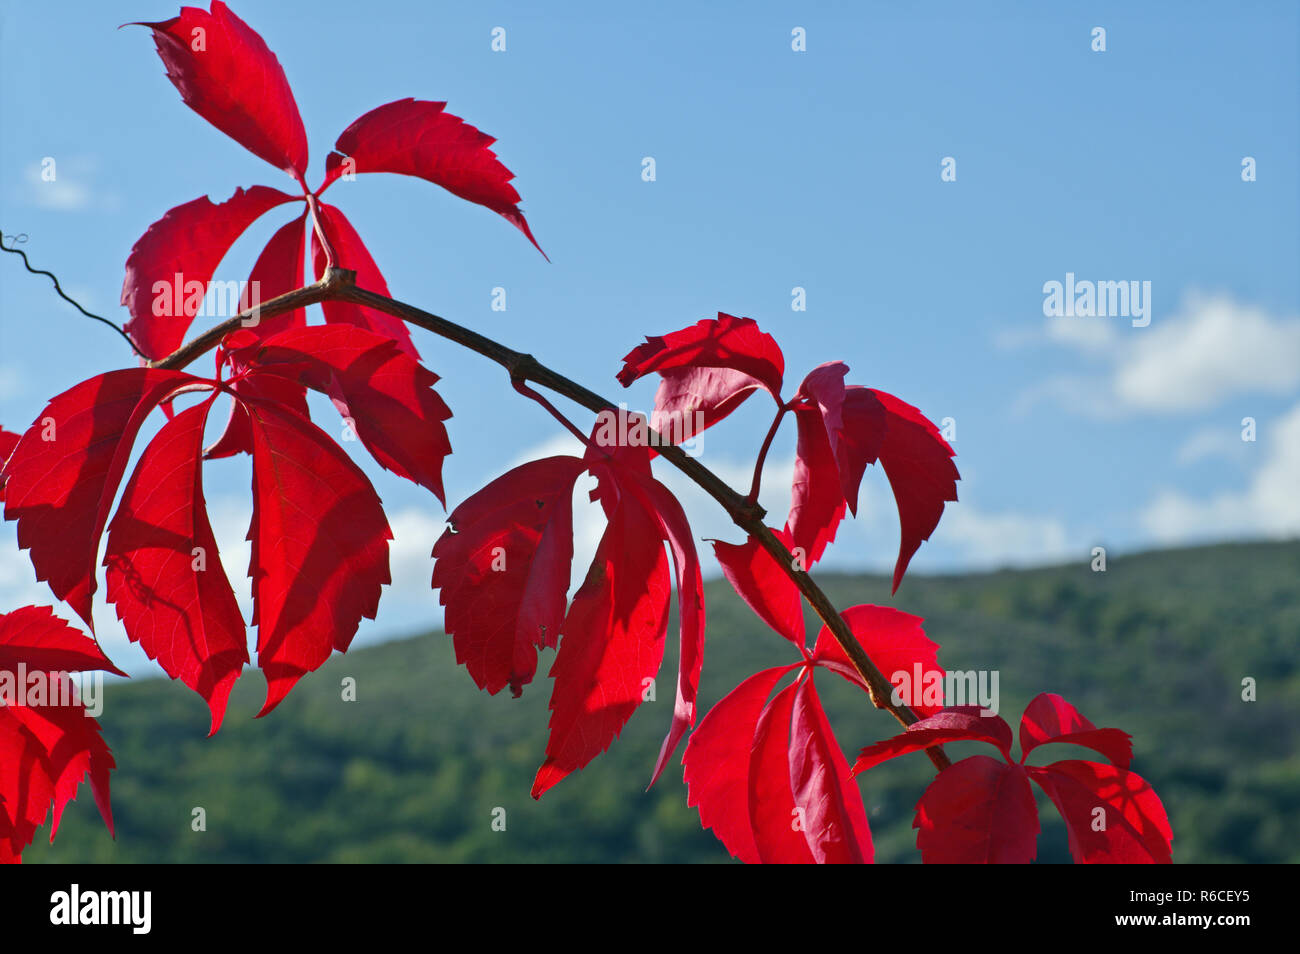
{"points": [[413, 770]]}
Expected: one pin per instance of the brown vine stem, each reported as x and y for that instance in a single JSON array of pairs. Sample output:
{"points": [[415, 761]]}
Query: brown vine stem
{"points": [[312, 294], [757, 482], [326, 246], [339, 284]]}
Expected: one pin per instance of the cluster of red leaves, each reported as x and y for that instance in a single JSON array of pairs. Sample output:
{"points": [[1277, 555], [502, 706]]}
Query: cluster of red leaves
{"points": [[48, 743], [982, 811], [768, 777], [226, 73], [503, 568], [711, 367], [319, 532], [319, 536], [503, 565]]}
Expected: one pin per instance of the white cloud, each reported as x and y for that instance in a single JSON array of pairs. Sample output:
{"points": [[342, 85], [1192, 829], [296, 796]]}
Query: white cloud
{"points": [[69, 185], [68, 191], [1089, 397], [1268, 505], [1090, 335], [18, 584], [987, 540], [1210, 442], [13, 384], [410, 557], [554, 446], [1212, 349], [230, 517], [19, 587]]}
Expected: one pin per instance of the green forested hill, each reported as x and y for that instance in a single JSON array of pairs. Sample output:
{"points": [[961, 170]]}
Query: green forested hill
{"points": [[412, 771]]}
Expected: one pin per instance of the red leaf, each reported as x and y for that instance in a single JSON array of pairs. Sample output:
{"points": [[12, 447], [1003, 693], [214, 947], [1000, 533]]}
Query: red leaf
{"points": [[1133, 826], [673, 525], [225, 73], [761, 583], [503, 571], [726, 342], [613, 642], [854, 427], [618, 452], [918, 462], [622, 467], [978, 807], [816, 498], [717, 759], [34, 636], [237, 438], [419, 138], [896, 643], [772, 809], [278, 271], [978, 811], [384, 394], [834, 819], [691, 400], [1049, 718], [353, 254], [164, 570], [48, 747], [63, 475], [320, 547], [171, 265], [8, 441], [842, 430], [958, 724]]}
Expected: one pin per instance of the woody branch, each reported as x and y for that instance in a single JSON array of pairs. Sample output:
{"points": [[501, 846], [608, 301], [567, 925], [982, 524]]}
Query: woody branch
{"points": [[339, 284]]}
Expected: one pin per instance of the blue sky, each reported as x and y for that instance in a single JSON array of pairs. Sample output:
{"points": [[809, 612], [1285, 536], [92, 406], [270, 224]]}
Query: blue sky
{"points": [[775, 169]]}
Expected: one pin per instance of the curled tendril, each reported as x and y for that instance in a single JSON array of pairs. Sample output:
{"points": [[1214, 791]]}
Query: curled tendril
{"points": [[20, 239]]}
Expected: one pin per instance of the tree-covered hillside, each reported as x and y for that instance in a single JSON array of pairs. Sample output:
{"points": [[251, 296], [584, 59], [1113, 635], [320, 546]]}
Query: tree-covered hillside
{"points": [[415, 768]]}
